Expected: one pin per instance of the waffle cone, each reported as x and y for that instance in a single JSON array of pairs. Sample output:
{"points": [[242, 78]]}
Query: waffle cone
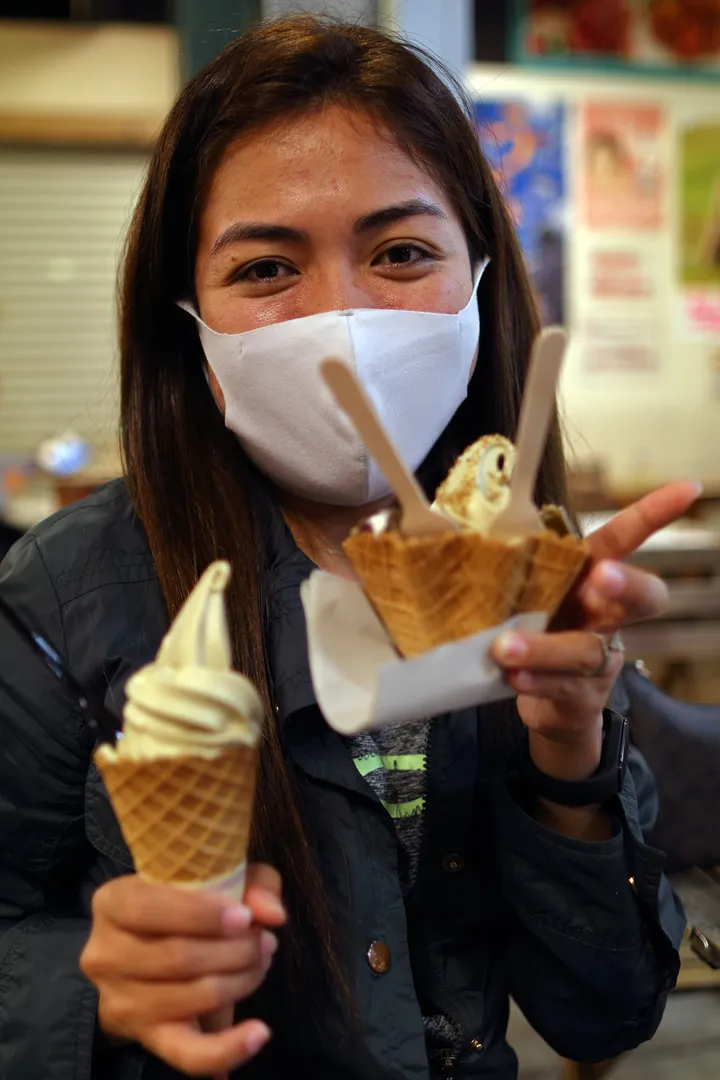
{"points": [[186, 820], [554, 563], [436, 589]]}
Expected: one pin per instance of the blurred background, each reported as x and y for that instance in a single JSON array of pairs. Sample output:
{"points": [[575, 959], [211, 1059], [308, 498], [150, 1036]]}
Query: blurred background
{"points": [[602, 121]]}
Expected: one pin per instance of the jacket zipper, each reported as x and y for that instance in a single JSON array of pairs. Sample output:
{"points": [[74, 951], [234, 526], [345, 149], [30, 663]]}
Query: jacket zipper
{"points": [[447, 1064], [447, 1057], [417, 887]]}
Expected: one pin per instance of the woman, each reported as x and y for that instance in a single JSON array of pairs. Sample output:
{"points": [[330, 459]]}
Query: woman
{"points": [[315, 169]]}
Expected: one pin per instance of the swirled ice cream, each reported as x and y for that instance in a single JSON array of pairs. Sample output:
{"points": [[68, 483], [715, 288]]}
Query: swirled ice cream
{"points": [[189, 700], [432, 590], [182, 775], [477, 487]]}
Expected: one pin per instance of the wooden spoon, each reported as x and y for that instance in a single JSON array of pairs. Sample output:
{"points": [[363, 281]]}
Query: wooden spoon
{"points": [[418, 519], [521, 515]]}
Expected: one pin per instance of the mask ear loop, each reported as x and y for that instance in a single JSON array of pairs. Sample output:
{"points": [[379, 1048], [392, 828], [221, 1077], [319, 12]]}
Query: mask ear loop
{"points": [[189, 307], [480, 270]]}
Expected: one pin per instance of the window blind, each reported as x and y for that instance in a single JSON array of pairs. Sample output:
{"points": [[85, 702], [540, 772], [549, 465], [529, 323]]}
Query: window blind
{"points": [[63, 217]]}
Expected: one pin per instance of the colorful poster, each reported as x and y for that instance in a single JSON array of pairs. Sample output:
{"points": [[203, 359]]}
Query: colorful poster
{"points": [[701, 314], [575, 28], [699, 223], [651, 34], [623, 183], [676, 33], [700, 204], [524, 143]]}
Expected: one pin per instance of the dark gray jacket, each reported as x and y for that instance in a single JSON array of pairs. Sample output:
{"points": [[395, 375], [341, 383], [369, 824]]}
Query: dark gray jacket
{"points": [[582, 935]]}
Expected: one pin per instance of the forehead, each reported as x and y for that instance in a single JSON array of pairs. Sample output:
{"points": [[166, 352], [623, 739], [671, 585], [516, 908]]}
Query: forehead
{"points": [[330, 156]]}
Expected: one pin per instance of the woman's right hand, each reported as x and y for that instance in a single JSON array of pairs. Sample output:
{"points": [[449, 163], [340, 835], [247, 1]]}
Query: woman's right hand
{"points": [[163, 958]]}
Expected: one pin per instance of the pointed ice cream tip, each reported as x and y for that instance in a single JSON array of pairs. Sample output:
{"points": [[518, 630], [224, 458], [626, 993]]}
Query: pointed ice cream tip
{"points": [[199, 633], [217, 575], [190, 701]]}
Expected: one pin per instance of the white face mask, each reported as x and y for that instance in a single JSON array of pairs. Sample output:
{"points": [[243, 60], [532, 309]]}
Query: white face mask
{"points": [[415, 366]]}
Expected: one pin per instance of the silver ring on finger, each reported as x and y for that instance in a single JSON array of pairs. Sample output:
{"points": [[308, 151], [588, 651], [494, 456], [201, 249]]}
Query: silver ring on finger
{"points": [[610, 646]]}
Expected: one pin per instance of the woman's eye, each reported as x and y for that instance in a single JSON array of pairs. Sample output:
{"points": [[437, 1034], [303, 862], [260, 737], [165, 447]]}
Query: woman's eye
{"points": [[264, 271], [403, 255]]}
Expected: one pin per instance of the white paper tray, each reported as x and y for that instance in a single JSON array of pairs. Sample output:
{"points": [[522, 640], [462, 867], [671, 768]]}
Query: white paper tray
{"points": [[360, 681]]}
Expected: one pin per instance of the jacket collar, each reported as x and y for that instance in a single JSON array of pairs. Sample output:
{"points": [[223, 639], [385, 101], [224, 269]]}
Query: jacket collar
{"points": [[318, 750], [288, 568]]}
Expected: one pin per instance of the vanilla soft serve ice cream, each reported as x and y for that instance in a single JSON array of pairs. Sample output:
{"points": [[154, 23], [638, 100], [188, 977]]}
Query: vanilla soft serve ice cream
{"points": [[182, 775], [189, 700]]}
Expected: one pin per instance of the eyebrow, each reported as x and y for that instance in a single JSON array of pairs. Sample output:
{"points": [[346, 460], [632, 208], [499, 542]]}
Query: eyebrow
{"points": [[368, 223], [390, 214], [257, 231]]}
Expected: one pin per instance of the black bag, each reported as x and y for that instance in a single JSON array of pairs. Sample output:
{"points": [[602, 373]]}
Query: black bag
{"points": [[681, 743]]}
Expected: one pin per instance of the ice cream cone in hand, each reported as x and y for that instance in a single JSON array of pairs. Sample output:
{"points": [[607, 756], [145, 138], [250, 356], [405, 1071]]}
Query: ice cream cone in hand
{"points": [[181, 778], [436, 589]]}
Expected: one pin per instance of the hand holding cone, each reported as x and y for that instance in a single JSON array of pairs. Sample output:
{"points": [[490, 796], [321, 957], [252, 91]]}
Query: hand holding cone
{"points": [[182, 776]]}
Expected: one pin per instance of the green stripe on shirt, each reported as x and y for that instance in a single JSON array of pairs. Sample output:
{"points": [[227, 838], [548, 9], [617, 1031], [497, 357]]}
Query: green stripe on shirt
{"points": [[393, 762], [405, 809]]}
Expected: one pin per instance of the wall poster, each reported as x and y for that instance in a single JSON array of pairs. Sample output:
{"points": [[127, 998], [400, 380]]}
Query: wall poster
{"points": [[622, 166], [656, 35], [524, 143], [699, 228]]}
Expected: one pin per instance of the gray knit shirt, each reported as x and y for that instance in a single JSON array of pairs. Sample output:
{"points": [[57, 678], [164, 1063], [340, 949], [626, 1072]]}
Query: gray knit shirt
{"points": [[393, 762]]}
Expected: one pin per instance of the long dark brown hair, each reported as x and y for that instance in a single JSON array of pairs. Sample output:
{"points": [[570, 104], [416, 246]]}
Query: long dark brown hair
{"points": [[192, 486]]}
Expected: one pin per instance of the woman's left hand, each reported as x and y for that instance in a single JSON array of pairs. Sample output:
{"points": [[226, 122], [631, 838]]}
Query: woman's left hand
{"points": [[564, 678]]}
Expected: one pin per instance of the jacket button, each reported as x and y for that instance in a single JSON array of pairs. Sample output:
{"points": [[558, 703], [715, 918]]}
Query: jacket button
{"points": [[477, 1045], [378, 957], [453, 863]]}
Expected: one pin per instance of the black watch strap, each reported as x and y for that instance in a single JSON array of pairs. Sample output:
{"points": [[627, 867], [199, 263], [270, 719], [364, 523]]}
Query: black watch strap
{"points": [[602, 786]]}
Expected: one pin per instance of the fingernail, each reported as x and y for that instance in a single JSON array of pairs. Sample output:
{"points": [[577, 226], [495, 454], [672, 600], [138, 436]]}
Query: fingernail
{"points": [[510, 647], [612, 579], [524, 681], [256, 1038], [236, 918], [268, 944], [591, 598]]}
